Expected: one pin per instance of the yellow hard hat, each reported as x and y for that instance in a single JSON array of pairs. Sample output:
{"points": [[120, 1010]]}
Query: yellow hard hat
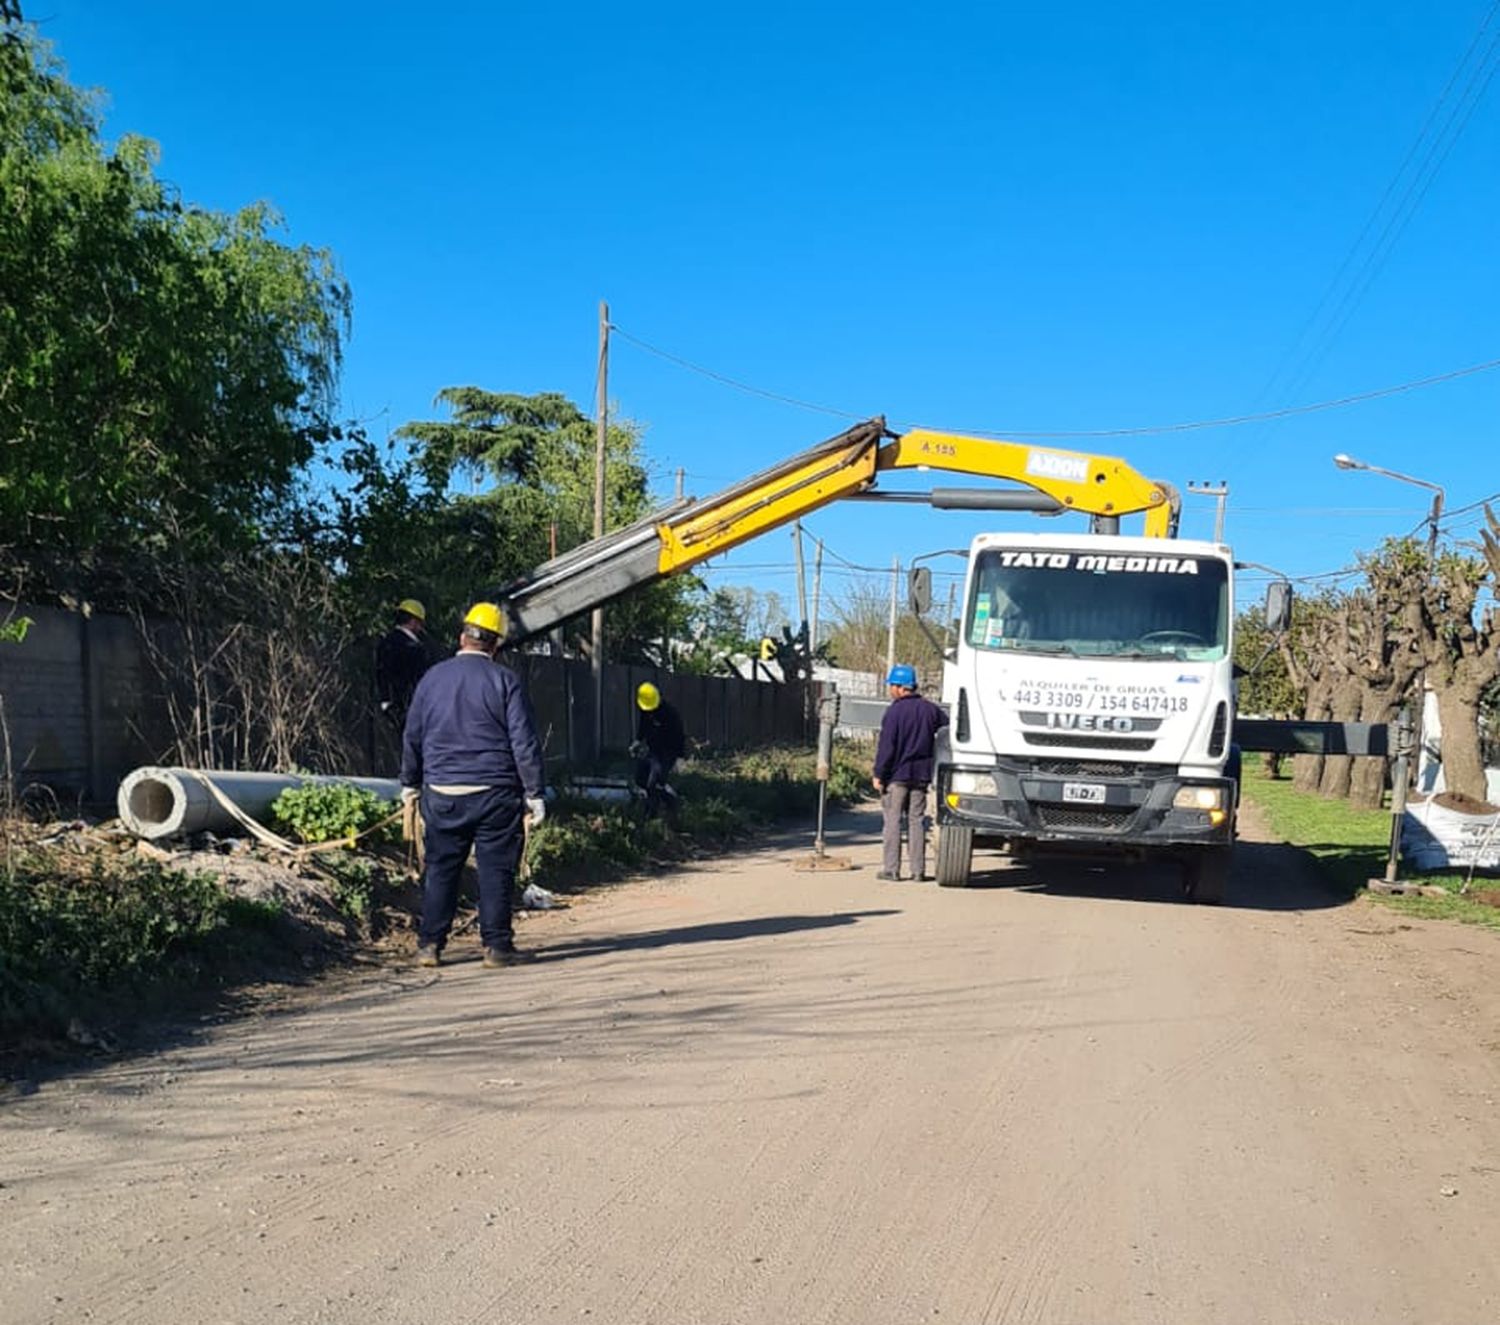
{"points": [[647, 697], [411, 607], [487, 616]]}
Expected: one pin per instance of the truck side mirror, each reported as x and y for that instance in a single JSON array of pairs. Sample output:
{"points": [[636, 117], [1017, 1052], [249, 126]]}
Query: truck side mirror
{"points": [[919, 590], [1278, 607]]}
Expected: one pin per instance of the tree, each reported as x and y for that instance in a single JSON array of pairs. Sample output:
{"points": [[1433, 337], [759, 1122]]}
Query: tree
{"points": [[155, 358], [531, 460], [861, 632], [1460, 642]]}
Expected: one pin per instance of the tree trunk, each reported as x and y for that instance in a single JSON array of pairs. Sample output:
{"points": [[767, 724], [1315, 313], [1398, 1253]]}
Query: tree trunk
{"points": [[1463, 765], [1270, 766], [1307, 770], [1338, 769], [1367, 786]]}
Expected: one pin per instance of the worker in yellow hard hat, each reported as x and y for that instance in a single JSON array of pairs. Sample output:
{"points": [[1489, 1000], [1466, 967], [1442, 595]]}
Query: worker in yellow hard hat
{"points": [[659, 744], [400, 659], [470, 753]]}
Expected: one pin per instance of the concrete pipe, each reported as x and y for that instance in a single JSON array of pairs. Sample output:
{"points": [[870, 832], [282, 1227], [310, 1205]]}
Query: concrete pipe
{"points": [[156, 803]]}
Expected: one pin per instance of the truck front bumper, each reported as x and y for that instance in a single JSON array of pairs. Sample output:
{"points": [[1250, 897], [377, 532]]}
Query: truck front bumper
{"points": [[1099, 806]]}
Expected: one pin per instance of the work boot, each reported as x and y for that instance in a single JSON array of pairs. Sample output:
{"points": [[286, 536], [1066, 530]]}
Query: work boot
{"points": [[885, 876], [427, 955], [505, 955]]}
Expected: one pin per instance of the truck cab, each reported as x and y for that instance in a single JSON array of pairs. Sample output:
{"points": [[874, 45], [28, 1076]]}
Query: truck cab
{"points": [[1091, 703]]}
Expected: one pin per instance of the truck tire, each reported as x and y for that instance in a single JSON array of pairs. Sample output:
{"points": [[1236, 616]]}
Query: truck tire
{"points": [[955, 856], [1205, 875]]}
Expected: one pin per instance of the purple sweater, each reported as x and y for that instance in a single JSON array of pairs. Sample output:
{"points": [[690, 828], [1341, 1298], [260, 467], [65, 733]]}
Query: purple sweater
{"points": [[904, 753]]}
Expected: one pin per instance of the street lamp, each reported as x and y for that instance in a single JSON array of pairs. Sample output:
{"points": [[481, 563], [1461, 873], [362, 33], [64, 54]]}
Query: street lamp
{"points": [[1349, 462]]}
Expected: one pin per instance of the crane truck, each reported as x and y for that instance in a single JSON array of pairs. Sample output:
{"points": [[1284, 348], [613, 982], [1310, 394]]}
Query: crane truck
{"points": [[1090, 693]]}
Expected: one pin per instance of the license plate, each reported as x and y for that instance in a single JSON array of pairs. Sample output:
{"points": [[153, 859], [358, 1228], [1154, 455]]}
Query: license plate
{"points": [[1089, 793]]}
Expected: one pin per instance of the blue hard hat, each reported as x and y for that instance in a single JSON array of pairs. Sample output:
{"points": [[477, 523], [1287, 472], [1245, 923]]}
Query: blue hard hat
{"points": [[903, 674]]}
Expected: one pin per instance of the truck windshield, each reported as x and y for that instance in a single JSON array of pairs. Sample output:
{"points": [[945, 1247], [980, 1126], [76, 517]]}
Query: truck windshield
{"points": [[1099, 604]]}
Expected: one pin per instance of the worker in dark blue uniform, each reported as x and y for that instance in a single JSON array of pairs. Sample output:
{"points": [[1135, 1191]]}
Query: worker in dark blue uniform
{"points": [[470, 751], [903, 771]]}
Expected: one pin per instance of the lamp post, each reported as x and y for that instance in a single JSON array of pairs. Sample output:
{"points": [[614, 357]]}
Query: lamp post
{"points": [[1349, 462], [1417, 735]]}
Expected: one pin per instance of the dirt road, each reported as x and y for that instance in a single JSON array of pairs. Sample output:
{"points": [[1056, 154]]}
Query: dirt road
{"points": [[747, 1095]]}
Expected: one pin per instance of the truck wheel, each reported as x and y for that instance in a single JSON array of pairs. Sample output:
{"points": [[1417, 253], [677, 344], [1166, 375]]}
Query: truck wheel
{"points": [[1205, 875], [955, 856]]}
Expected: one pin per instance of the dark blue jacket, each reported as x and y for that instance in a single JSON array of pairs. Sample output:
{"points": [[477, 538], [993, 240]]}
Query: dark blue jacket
{"points": [[470, 724], [904, 753]]}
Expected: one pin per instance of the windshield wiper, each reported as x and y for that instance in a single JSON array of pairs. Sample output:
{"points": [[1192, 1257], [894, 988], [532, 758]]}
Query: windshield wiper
{"points": [[1046, 646]]}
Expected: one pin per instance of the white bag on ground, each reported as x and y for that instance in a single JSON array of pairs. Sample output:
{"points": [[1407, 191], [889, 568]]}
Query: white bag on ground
{"points": [[1448, 831]]}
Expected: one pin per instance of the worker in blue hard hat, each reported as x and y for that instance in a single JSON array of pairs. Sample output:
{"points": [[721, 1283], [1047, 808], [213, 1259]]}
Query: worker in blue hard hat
{"points": [[903, 771]]}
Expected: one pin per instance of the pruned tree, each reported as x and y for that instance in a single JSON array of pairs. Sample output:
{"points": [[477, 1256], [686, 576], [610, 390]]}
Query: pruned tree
{"points": [[1459, 639]]}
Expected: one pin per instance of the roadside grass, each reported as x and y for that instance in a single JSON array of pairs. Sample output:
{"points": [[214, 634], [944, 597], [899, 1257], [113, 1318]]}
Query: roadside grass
{"points": [[1350, 846], [87, 938]]}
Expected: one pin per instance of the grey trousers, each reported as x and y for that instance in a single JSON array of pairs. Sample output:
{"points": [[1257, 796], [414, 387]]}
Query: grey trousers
{"points": [[897, 800]]}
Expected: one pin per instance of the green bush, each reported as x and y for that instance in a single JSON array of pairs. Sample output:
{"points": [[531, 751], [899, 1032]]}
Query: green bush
{"points": [[328, 811], [63, 929]]}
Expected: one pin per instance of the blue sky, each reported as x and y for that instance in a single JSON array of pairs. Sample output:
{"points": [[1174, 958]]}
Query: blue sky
{"points": [[987, 216]]}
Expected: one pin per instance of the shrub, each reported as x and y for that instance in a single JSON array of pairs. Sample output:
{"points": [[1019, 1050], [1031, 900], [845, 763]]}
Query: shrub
{"points": [[64, 929]]}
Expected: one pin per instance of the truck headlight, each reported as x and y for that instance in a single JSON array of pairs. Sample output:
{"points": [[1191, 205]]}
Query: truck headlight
{"points": [[973, 784], [1198, 798]]}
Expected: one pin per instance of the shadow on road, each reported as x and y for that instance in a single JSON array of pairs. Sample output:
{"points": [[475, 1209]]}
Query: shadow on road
{"points": [[724, 932], [1267, 876]]}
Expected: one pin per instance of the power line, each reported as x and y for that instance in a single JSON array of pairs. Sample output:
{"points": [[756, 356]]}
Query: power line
{"points": [[1341, 299], [1197, 425], [730, 381]]}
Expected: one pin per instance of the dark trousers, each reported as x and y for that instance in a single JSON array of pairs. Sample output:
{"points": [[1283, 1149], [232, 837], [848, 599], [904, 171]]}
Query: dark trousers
{"points": [[651, 777], [489, 822]]}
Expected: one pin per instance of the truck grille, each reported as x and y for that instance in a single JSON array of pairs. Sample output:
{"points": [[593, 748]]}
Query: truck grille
{"points": [[1056, 739], [1090, 819], [1077, 768]]}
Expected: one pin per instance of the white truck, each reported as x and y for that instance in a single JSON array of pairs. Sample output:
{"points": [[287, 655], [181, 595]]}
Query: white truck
{"points": [[1091, 703]]}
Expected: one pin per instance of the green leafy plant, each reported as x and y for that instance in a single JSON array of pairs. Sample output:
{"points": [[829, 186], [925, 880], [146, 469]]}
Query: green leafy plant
{"points": [[13, 631], [327, 811], [63, 929]]}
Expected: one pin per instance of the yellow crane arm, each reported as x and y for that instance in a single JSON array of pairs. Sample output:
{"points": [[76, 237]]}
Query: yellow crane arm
{"points": [[848, 463], [693, 531]]}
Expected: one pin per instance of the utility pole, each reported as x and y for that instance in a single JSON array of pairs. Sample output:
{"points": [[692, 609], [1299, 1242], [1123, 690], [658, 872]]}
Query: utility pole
{"points": [[890, 637], [817, 596], [601, 422], [1220, 491], [801, 576], [681, 482]]}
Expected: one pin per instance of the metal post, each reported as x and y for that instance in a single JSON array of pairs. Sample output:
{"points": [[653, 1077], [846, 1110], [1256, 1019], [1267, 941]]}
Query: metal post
{"points": [[681, 483], [817, 597], [1219, 491], [601, 427], [890, 637], [1399, 781], [801, 576]]}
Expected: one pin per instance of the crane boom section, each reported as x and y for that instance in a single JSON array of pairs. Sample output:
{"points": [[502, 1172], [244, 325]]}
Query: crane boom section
{"points": [[1094, 484]]}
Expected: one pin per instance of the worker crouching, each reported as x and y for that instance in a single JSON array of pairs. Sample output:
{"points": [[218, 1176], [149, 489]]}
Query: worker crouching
{"points": [[659, 744], [470, 751]]}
